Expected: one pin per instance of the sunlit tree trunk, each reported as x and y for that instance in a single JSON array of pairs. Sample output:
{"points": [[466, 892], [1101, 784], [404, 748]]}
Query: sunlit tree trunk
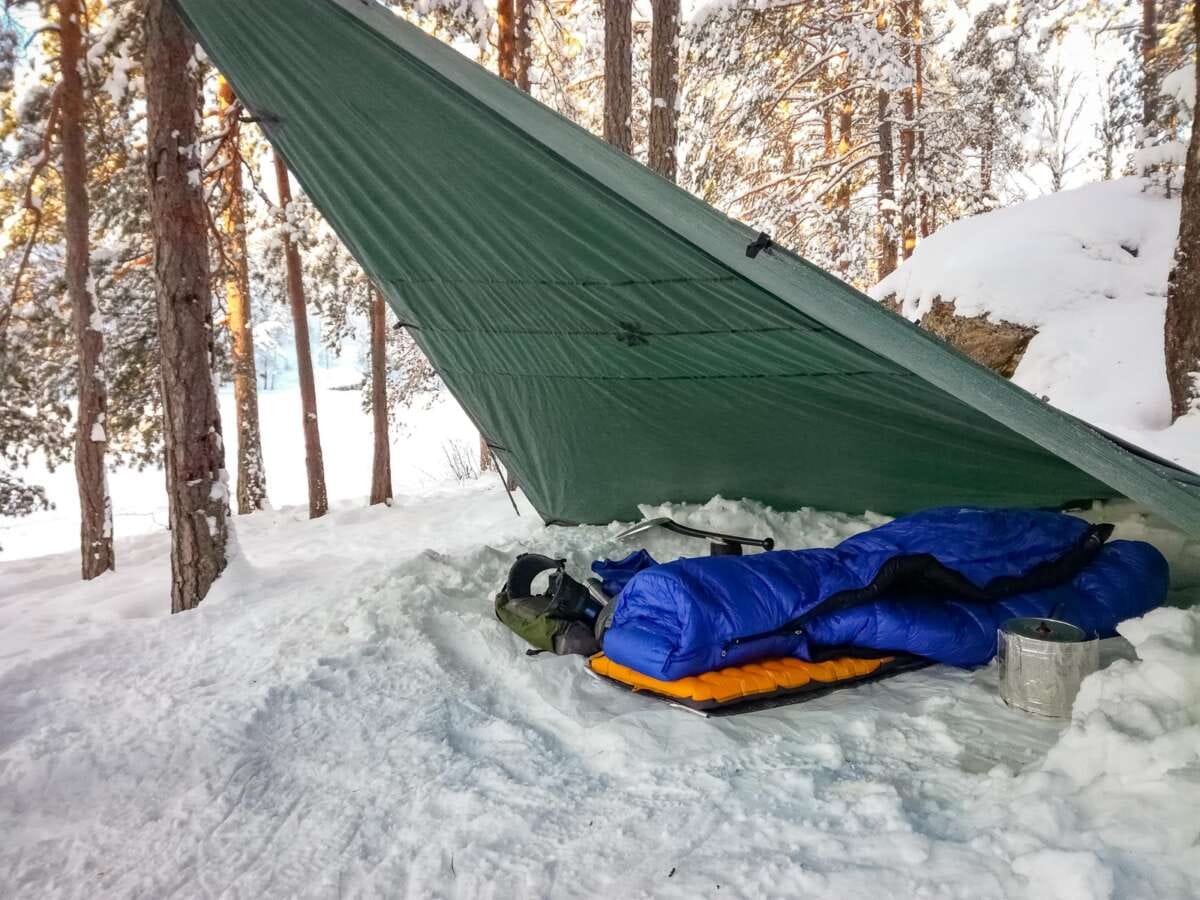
{"points": [[381, 467], [887, 189], [886, 186], [908, 172], [1183, 290], [924, 206], [618, 74], [95, 506], [506, 42], [318, 501], [485, 455], [844, 190], [664, 86], [251, 473], [195, 458]]}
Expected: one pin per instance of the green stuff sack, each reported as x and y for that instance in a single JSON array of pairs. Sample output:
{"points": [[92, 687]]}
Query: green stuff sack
{"points": [[544, 621]]}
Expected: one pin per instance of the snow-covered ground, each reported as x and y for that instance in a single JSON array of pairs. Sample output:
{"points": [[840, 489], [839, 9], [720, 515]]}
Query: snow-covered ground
{"points": [[344, 716], [1088, 268]]}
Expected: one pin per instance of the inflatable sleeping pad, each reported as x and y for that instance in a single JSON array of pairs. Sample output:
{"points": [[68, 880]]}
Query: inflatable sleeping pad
{"points": [[934, 585], [768, 683]]}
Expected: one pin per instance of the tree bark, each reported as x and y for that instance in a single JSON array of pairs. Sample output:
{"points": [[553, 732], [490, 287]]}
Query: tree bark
{"points": [[908, 174], [318, 500], [844, 191], [506, 43], [618, 74], [381, 468], [664, 86], [524, 40], [485, 455], [924, 207], [251, 476], [1149, 66], [887, 189], [195, 458], [95, 505], [1182, 329]]}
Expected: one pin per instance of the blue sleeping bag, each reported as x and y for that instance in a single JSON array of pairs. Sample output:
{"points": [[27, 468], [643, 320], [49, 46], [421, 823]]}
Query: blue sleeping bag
{"points": [[936, 584]]}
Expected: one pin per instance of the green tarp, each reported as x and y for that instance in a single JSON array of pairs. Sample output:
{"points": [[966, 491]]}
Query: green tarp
{"points": [[606, 330]]}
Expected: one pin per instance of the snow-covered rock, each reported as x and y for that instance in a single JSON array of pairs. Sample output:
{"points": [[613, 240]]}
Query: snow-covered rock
{"points": [[1088, 270]]}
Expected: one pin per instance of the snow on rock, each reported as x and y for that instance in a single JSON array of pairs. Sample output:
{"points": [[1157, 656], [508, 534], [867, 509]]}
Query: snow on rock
{"points": [[344, 716], [1088, 268]]}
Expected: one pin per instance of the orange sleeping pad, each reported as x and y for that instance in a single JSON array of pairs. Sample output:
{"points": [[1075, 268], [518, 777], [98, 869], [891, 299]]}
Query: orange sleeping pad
{"points": [[784, 680]]}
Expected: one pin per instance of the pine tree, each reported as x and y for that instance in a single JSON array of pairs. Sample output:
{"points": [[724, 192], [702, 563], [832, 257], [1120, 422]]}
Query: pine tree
{"points": [[506, 43], [1165, 44], [618, 74], [381, 467], [1150, 68], [995, 74], [664, 86], [36, 363], [45, 371], [95, 527], [886, 202], [251, 472], [910, 55], [525, 21], [196, 478], [1183, 289], [318, 500]]}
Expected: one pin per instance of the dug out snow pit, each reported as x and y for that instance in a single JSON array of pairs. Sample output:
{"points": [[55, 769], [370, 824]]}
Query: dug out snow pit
{"points": [[1042, 664]]}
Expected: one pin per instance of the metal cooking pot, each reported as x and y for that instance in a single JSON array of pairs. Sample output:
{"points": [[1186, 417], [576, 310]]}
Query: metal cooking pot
{"points": [[1042, 663]]}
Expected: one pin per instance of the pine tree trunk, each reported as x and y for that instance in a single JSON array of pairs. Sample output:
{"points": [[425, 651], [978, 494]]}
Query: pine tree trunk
{"points": [[524, 13], [195, 459], [95, 506], [1183, 289], [506, 44], [924, 207], [887, 189], [1149, 66], [618, 74], [485, 455], [251, 475], [318, 501], [844, 191], [381, 468], [908, 173], [664, 86]]}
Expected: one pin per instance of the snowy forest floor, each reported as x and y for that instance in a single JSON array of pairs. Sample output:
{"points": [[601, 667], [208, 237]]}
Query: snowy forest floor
{"points": [[344, 716]]}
